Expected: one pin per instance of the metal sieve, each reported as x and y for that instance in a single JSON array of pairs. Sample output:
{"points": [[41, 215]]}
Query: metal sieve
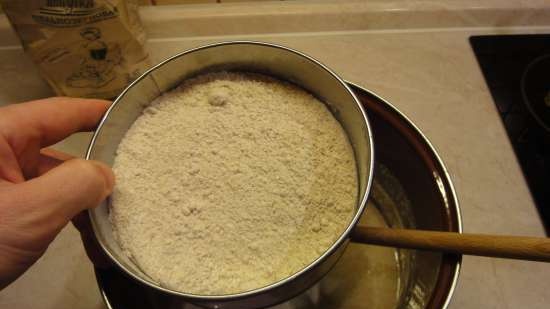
{"points": [[273, 60]]}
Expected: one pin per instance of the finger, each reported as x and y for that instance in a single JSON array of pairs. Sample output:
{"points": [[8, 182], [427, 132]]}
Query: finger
{"points": [[49, 120], [59, 155], [10, 172], [48, 202], [49, 159], [91, 245]]}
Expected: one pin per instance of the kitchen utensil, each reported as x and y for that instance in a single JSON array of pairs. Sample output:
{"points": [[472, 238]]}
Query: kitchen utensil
{"points": [[512, 247], [410, 190], [277, 61]]}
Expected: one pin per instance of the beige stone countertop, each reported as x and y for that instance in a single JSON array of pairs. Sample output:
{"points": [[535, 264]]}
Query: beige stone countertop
{"points": [[429, 73]]}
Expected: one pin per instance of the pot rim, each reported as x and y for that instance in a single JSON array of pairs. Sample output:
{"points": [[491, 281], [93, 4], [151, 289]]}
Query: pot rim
{"points": [[453, 261]]}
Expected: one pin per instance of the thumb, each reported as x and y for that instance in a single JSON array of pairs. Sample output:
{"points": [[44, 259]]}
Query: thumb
{"points": [[48, 202]]}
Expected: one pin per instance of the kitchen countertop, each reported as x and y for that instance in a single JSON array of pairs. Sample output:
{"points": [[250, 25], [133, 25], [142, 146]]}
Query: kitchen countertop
{"points": [[430, 74]]}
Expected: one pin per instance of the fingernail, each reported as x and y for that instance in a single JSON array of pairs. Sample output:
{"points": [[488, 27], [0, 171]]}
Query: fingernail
{"points": [[108, 175]]}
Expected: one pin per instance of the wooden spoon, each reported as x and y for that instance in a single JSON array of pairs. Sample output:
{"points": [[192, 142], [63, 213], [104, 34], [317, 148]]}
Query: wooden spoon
{"points": [[511, 247]]}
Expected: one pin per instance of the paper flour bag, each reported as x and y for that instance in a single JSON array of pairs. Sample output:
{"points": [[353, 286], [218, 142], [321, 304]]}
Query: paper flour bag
{"points": [[84, 48]]}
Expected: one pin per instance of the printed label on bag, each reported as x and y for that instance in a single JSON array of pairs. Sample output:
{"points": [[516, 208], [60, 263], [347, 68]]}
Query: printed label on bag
{"points": [[71, 13]]}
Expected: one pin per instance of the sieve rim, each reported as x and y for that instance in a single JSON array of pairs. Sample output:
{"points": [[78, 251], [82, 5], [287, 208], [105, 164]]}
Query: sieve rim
{"points": [[361, 204]]}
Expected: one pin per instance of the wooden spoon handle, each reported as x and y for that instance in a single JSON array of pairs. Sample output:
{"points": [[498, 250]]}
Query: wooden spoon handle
{"points": [[512, 247]]}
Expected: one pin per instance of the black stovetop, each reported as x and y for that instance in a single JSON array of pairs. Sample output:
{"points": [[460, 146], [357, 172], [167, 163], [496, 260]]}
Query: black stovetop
{"points": [[504, 60]]}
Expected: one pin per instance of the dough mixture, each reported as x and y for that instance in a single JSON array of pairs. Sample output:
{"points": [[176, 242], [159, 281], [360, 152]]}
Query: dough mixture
{"points": [[231, 182]]}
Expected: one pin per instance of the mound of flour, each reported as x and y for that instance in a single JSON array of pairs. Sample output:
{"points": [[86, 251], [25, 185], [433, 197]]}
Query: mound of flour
{"points": [[231, 182]]}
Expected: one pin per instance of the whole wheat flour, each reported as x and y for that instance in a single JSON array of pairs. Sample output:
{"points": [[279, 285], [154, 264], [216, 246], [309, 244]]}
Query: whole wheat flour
{"points": [[231, 182]]}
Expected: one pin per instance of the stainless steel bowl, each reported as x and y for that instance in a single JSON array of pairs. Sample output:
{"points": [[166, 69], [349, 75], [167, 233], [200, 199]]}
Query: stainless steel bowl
{"points": [[425, 199], [277, 61], [411, 189]]}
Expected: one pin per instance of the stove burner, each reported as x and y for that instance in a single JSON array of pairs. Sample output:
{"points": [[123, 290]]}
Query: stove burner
{"points": [[535, 90]]}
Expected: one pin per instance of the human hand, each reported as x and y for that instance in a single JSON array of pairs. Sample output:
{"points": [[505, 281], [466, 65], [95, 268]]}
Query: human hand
{"points": [[41, 190]]}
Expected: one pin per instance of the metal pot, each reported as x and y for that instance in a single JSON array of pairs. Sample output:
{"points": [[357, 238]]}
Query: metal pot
{"points": [[283, 63], [411, 189], [421, 196]]}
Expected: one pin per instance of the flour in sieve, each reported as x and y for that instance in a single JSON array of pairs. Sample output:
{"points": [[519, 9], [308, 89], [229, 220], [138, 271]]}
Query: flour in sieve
{"points": [[231, 182]]}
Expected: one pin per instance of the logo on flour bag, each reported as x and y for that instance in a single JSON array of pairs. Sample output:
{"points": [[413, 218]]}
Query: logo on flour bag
{"points": [[71, 13], [98, 60]]}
